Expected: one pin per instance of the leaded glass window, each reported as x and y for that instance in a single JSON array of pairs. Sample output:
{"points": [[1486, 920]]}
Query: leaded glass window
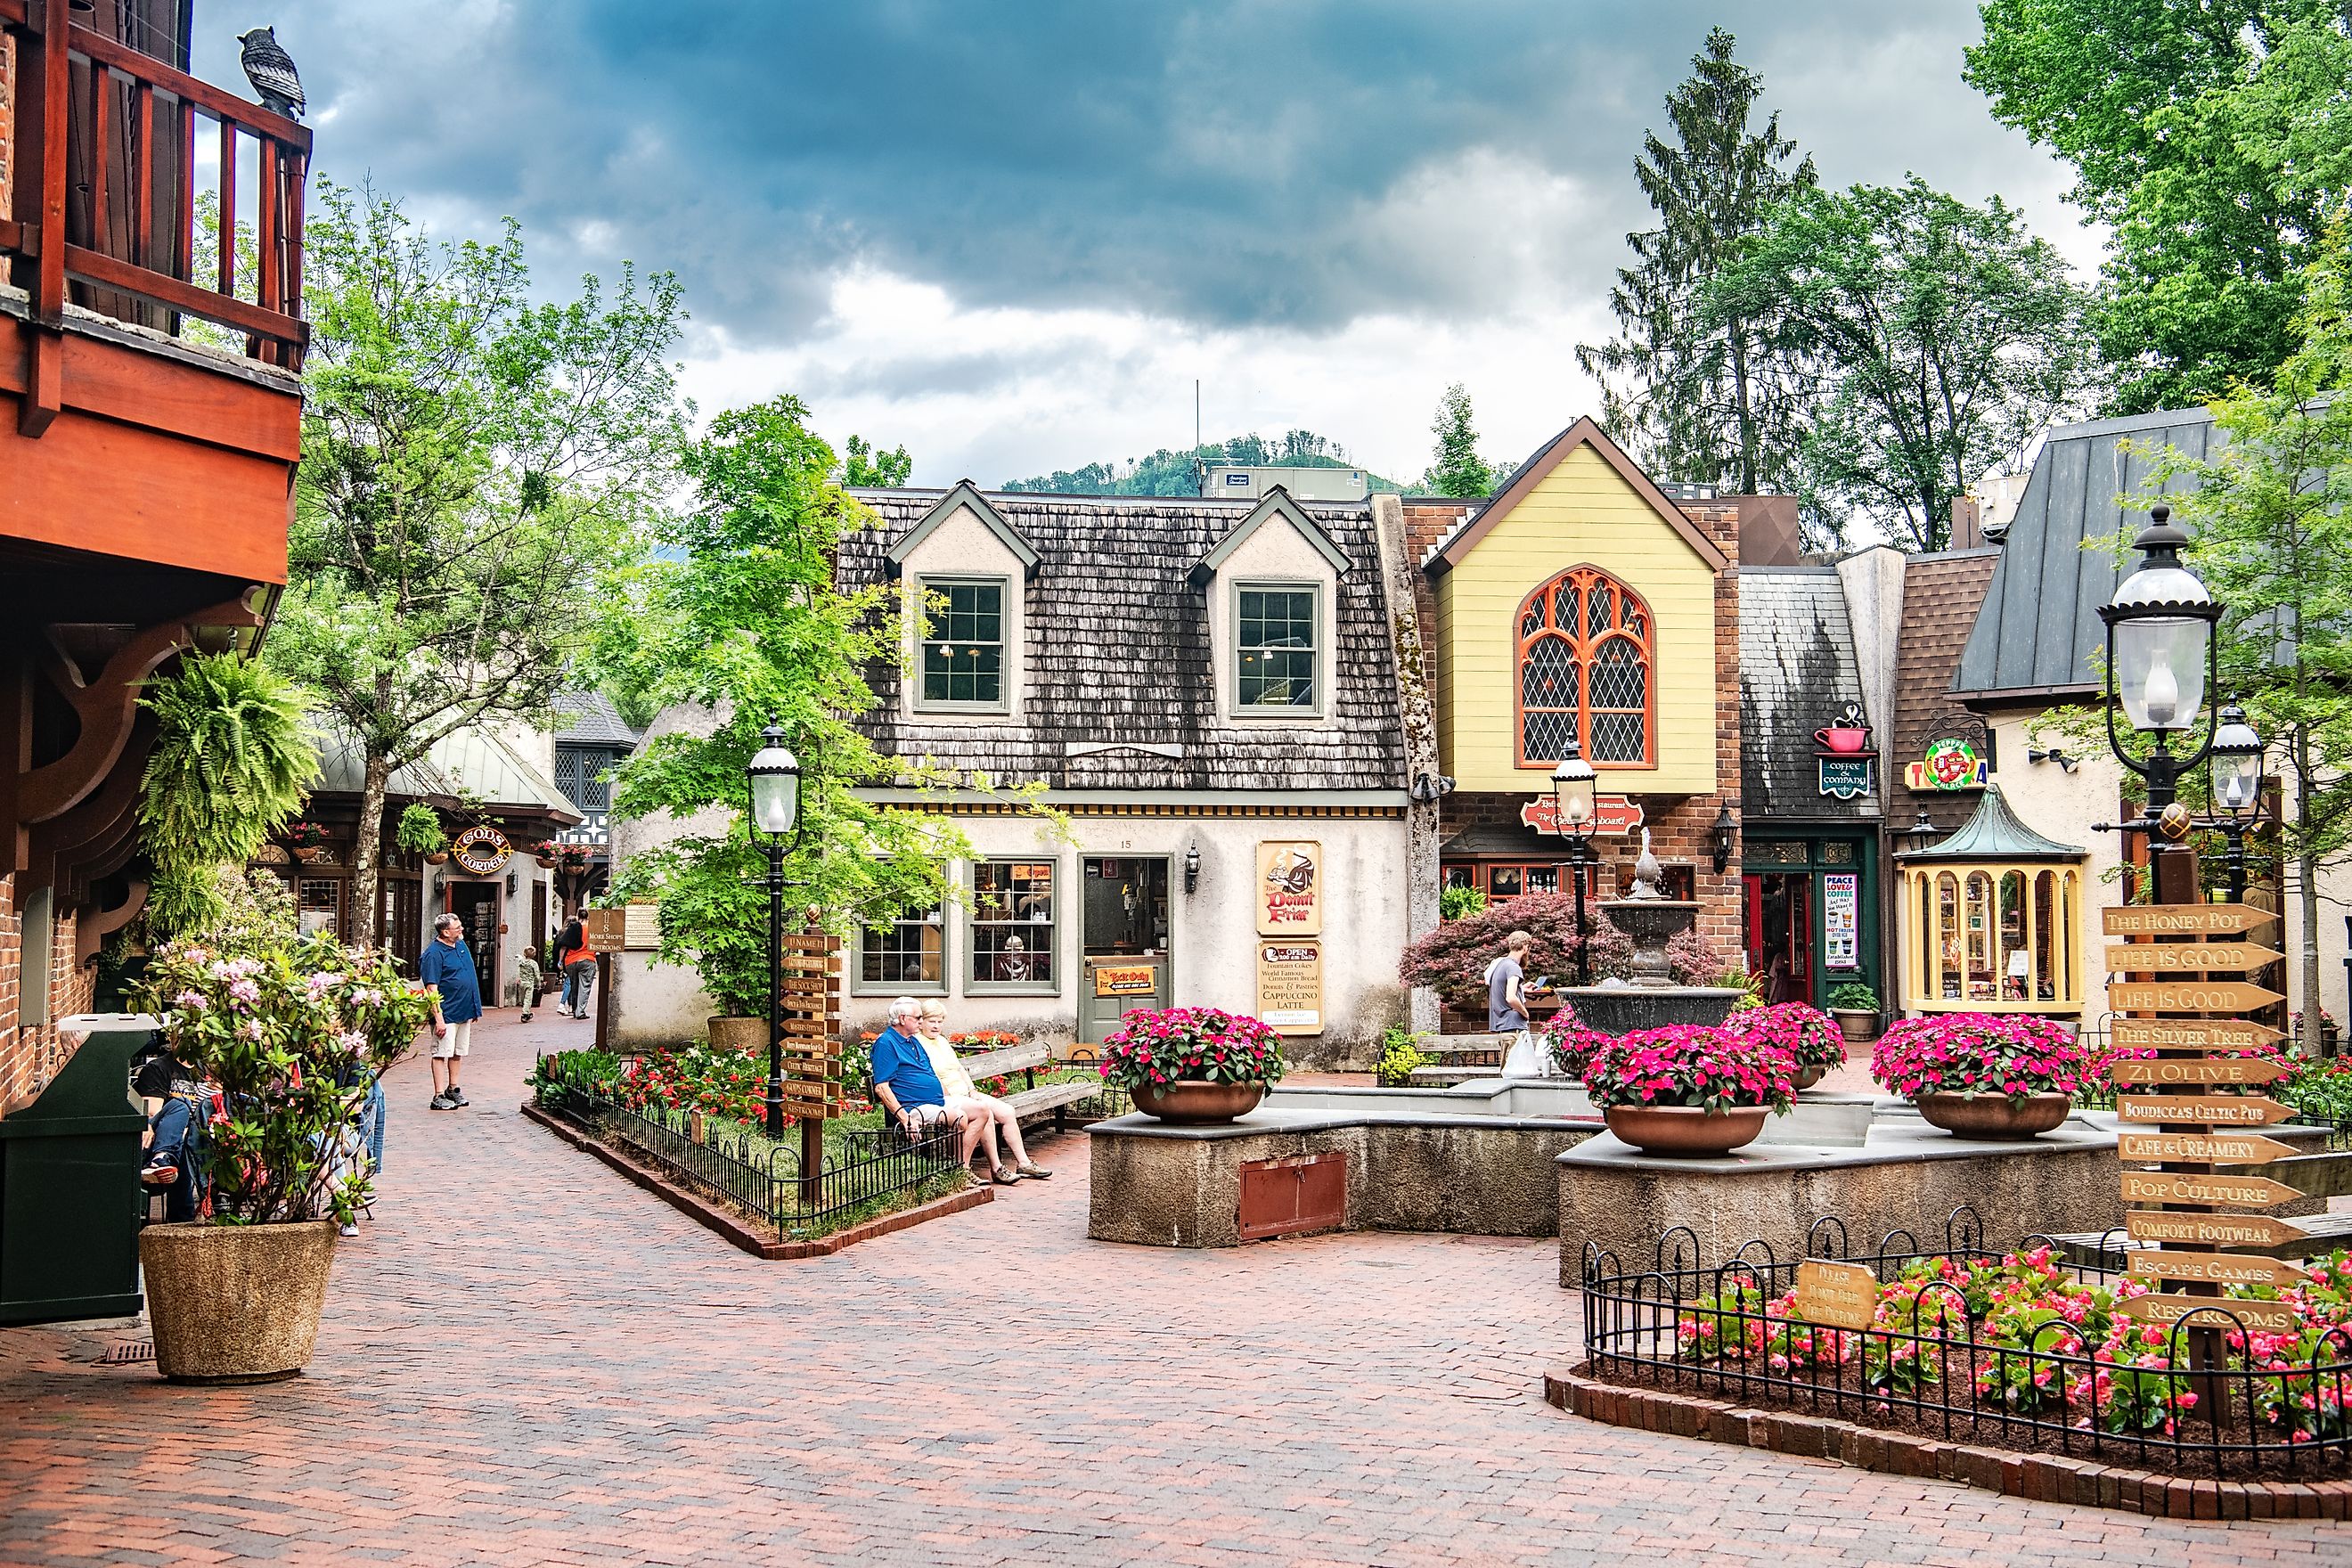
{"points": [[1584, 672]]}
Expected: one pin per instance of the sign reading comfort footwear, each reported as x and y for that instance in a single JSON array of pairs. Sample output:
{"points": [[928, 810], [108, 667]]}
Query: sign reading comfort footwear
{"points": [[481, 850], [1290, 888], [1290, 986]]}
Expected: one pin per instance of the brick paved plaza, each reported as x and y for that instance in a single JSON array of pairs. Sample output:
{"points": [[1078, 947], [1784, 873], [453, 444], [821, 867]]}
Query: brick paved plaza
{"points": [[526, 1360]]}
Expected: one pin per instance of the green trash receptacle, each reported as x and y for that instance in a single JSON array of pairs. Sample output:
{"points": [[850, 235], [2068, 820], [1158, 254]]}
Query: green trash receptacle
{"points": [[69, 1193]]}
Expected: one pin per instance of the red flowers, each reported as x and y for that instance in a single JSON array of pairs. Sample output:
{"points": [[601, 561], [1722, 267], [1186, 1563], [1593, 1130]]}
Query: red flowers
{"points": [[1683, 1064], [1806, 1034]]}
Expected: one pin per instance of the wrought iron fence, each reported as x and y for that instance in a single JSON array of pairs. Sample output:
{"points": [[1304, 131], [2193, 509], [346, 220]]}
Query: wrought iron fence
{"points": [[1943, 1363]]}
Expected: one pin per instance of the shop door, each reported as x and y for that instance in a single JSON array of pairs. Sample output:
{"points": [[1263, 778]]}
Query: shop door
{"points": [[1780, 934], [477, 904], [1125, 934]]}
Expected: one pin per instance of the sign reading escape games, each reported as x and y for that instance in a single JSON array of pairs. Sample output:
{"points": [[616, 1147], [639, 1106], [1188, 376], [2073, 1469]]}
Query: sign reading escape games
{"points": [[481, 850], [1290, 888], [1290, 986]]}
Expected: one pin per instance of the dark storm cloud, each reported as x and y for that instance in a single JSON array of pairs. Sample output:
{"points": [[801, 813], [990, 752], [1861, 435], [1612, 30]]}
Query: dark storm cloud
{"points": [[1220, 163]]}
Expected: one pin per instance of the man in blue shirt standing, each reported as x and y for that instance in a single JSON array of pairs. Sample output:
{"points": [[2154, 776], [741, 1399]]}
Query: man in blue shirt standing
{"points": [[448, 967], [910, 1092]]}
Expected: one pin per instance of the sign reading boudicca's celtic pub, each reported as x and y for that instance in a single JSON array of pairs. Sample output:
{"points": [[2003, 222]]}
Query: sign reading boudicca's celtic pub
{"points": [[481, 850]]}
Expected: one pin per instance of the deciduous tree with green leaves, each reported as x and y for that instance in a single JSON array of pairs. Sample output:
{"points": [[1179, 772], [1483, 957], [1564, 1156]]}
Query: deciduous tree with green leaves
{"points": [[865, 466], [1714, 396], [472, 464], [1455, 468], [1944, 337]]}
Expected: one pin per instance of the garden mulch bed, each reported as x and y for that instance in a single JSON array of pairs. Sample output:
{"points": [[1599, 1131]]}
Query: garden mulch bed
{"points": [[752, 1236], [1907, 1444]]}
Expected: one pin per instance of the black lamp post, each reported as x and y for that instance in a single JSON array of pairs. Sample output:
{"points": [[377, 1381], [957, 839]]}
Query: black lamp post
{"points": [[1573, 784], [2236, 758], [2160, 656], [775, 775]]}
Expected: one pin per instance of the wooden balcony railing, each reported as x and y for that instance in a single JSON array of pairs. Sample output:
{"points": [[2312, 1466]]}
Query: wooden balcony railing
{"points": [[103, 199]]}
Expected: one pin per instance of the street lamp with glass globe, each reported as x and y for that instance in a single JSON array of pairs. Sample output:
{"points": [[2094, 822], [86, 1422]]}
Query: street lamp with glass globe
{"points": [[775, 780], [2160, 656], [2237, 780], [1576, 809]]}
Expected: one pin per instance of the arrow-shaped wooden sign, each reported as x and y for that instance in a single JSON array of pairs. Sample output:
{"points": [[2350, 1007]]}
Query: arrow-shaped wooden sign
{"points": [[2205, 1109], [2216, 1268], [2187, 957], [2271, 1317], [2214, 1229], [2190, 1034], [2246, 1192], [2223, 1149], [2183, 920], [2191, 996], [2203, 1070]]}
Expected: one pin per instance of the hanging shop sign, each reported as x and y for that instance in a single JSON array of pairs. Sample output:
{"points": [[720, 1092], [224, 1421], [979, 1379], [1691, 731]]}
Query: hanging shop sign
{"points": [[1290, 888], [1290, 986], [481, 850], [1613, 815], [1841, 920], [1951, 763], [1843, 777]]}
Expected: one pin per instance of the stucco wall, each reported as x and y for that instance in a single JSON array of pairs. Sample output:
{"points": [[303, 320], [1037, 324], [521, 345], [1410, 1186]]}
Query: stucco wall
{"points": [[652, 1002]]}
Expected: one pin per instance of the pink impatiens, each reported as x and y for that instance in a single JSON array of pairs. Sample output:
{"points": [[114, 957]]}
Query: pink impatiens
{"points": [[1806, 1034], [1980, 1053], [1160, 1047], [1687, 1065]]}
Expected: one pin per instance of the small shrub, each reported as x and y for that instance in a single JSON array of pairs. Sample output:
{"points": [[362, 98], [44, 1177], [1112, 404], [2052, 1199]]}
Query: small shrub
{"points": [[1454, 903], [1692, 960], [1855, 996], [1400, 1053], [1453, 959]]}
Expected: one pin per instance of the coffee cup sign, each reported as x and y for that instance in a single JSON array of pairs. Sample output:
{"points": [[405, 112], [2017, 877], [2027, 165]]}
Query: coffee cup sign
{"points": [[1290, 888], [481, 850]]}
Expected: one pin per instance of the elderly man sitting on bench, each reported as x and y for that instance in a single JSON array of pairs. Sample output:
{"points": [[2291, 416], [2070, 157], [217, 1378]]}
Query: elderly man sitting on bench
{"points": [[911, 1091]]}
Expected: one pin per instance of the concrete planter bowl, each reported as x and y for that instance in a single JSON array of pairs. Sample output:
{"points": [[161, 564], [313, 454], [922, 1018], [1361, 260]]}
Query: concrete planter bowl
{"points": [[1858, 1024], [1993, 1116], [1687, 1131], [235, 1303], [1198, 1103]]}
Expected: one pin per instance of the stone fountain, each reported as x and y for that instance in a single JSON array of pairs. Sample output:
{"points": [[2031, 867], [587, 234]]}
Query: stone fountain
{"points": [[1650, 999]]}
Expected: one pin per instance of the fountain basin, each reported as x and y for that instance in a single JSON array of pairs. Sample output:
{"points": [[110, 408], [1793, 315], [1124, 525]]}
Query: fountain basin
{"points": [[1621, 1009]]}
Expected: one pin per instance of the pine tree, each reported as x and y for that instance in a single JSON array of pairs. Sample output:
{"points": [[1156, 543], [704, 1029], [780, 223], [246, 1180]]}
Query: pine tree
{"points": [[1718, 402], [1455, 468]]}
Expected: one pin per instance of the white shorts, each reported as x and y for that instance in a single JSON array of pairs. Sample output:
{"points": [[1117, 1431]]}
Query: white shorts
{"points": [[924, 1115], [455, 1041]]}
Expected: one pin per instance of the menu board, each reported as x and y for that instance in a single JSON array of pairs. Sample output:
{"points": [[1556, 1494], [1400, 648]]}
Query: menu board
{"points": [[1290, 986], [1841, 920]]}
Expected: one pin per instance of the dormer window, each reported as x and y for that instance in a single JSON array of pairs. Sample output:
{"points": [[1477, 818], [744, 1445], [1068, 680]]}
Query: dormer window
{"points": [[963, 651], [1274, 647]]}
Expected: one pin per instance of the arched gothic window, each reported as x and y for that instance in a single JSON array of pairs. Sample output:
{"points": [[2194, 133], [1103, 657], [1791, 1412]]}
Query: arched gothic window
{"points": [[1584, 671]]}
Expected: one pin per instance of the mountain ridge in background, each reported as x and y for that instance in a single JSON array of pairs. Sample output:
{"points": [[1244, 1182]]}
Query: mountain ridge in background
{"points": [[1176, 473]]}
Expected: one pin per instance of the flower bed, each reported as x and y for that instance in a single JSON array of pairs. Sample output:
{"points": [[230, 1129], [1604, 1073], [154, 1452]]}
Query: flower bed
{"points": [[1153, 1048], [1982, 1053], [1687, 1065], [1810, 1036]]}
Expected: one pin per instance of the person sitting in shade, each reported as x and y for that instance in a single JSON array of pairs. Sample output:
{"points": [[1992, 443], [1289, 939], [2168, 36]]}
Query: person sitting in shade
{"points": [[910, 1090], [1001, 1120]]}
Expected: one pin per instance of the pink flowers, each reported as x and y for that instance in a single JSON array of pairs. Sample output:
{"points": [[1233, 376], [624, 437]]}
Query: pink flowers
{"points": [[1685, 1064], [1156, 1046], [1806, 1034], [1980, 1053]]}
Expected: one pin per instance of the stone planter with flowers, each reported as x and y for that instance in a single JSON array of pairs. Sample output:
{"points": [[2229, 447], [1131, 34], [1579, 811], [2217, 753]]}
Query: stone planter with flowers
{"points": [[1689, 1090], [1984, 1075], [1814, 1043], [1198, 1067]]}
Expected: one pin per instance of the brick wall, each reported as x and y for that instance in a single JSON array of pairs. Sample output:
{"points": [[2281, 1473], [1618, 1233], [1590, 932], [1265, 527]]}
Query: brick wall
{"points": [[31, 1056]]}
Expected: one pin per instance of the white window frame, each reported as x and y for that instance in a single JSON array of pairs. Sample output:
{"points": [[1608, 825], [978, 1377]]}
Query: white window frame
{"points": [[1007, 621], [1322, 655]]}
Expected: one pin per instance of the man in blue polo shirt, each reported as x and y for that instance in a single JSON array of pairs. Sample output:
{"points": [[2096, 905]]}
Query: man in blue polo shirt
{"points": [[447, 966], [908, 1089]]}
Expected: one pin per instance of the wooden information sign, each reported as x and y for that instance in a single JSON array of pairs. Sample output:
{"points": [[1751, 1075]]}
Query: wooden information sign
{"points": [[2202, 1071], [2224, 1149], [2207, 1110], [2215, 1229], [2246, 1192], [2187, 957], [1837, 1295], [606, 930], [2184, 919], [2191, 996], [2216, 1268], [2270, 1316], [2190, 1035]]}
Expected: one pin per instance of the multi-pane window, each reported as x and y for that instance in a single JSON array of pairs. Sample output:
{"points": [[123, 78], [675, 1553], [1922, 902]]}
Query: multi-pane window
{"points": [[1584, 671], [318, 904], [1013, 922], [909, 950], [1274, 657], [963, 655]]}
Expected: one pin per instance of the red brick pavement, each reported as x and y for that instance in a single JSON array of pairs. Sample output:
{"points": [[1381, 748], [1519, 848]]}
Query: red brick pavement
{"points": [[527, 1360]]}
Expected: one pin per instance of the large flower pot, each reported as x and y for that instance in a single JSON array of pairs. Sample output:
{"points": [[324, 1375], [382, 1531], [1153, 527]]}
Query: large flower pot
{"points": [[1686, 1130], [235, 1303], [1993, 1115], [739, 1035], [1858, 1024], [1197, 1102], [1804, 1078]]}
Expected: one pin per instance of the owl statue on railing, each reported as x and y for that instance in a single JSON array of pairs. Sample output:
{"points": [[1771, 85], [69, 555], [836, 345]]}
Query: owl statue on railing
{"points": [[271, 71]]}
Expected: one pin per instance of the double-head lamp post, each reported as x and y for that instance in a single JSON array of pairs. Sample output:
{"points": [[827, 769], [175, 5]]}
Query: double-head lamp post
{"points": [[1576, 807], [775, 777]]}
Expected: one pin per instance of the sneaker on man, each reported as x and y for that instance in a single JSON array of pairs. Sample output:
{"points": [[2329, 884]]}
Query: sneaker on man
{"points": [[458, 1097], [442, 1102], [349, 1228]]}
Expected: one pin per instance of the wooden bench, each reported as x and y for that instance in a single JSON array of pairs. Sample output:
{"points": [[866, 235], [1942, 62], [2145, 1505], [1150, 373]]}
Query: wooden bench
{"points": [[1036, 1098]]}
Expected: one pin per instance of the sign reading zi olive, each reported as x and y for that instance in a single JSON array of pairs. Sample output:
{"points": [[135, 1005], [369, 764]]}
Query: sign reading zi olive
{"points": [[2271, 1317], [2216, 1268], [481, 849], [2183, 920], [2206, 1110], [2187, 957], [2191, 996], [2223, 1148], [2190, 1035], [2215, 1229], [2202, 1071]]}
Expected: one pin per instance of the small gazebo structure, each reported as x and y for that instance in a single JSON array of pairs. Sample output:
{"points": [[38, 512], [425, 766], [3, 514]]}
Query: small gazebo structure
{"points": [[1990, 920]]}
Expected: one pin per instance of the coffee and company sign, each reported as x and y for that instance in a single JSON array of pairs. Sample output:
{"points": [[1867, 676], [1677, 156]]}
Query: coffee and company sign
{"points": [[481, 850]]}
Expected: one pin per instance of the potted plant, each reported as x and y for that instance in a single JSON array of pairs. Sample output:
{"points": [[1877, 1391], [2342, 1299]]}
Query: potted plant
{"points": [[1192, 1065], [1689, 1090], [1855, 1006], [1984, 1075], [1812, 1042], [419, 832], [288, 1033]]}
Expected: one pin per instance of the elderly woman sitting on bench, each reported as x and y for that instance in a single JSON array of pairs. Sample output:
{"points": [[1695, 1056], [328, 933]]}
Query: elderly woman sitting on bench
{"points": [[912, 1093], [1002, 1120]]}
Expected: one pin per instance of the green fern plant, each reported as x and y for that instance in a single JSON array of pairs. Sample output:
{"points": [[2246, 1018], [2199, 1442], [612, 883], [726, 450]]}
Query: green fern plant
{"points": [[231, 763], [419, 831]]}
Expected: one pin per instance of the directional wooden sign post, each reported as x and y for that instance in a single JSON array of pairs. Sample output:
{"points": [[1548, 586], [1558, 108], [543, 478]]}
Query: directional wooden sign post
{"points": [[2186, 957], [812, 1053], [2191, 1034], [2206, 1110], [2192, 996], [2184, 919]]}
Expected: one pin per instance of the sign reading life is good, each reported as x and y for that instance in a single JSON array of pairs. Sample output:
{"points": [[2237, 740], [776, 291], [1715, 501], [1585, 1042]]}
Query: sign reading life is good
{"points": [[1837, 1295], [481, 850]]}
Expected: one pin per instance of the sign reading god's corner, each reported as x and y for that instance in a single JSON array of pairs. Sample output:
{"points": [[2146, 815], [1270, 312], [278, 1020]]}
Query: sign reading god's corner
{"points": [[481, 850], [1290, 888], [1613, 815]]}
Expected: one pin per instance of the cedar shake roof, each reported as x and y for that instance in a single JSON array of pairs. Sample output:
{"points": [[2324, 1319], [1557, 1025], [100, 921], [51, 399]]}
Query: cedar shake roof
{"points": [[1797, 670], [2040, 622], [1941, 595], [1119, 657]]}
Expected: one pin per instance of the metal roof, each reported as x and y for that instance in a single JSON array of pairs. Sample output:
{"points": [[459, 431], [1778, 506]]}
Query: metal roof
{"points": [[1994, 833], [472, 762]]}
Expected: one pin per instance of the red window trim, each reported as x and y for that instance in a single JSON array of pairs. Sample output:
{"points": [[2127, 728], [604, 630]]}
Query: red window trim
{"points": [[1582, 648]]}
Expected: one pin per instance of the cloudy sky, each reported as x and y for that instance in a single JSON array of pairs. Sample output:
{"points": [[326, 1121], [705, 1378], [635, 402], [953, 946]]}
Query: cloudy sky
{"points": [[1012, 233]]}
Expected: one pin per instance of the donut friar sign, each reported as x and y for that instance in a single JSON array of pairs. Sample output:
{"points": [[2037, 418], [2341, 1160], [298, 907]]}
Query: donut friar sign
{"points": [[481, 850]]}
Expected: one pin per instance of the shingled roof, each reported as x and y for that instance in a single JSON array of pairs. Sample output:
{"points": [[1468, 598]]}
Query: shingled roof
{"points": [[589, 718], [1797, 670], [1119, 657]]}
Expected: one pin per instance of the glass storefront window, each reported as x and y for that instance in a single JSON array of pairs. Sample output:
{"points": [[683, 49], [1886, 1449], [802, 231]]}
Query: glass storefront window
{"points": [[1013, 922], [909, 950]]}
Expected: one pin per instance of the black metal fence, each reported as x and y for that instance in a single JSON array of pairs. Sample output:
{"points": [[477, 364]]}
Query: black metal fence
{"points": [[1942, 1362]]}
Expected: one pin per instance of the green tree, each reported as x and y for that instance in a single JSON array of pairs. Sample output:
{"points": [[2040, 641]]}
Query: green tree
{"points": [[1944, 337], [739, 619], [1712, 397], [2271, 519], [1455, 467], [2208, 137], [1168, 472], [865, 468], [472, 464]]}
